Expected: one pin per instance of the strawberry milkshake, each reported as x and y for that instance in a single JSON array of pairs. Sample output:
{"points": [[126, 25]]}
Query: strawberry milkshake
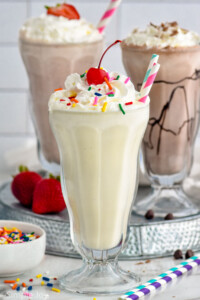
{"points": [[174, 111], [98, 130], [53, 46]]}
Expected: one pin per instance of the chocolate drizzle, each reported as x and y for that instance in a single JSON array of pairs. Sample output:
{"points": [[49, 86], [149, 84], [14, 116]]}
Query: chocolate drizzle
{"points": [[160, 121]]}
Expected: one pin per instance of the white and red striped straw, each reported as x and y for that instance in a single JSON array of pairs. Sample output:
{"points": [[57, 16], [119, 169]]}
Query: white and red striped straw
{"points": [[108, 15], [145, 90]]}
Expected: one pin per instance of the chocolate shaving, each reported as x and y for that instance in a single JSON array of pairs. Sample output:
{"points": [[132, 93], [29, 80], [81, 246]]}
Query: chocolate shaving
{"points": [[173, 24], [174, 32], [184, 30]]}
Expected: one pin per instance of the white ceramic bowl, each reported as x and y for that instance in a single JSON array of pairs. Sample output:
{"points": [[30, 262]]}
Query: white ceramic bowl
{"points": [[19, 258]]}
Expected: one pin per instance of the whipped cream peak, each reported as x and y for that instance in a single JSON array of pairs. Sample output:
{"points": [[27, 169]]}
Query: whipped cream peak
{"points": [[117, 94], [168, 34], [59, 30]]}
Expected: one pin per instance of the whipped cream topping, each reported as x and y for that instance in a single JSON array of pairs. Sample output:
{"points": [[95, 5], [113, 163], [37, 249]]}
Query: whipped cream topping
{"points": [[59, 30], [163, 36], [79, 96]]}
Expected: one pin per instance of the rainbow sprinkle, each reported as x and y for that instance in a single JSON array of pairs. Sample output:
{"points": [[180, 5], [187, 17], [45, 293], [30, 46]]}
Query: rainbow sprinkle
{"points": [[121, 108], [95, 101], [104, 106], [15, 236], [127, 80]]}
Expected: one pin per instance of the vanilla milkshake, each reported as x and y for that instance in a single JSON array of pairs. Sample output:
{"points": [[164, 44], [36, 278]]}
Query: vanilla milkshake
{"points": [[98, 148], [174, 110], [53, 47]]}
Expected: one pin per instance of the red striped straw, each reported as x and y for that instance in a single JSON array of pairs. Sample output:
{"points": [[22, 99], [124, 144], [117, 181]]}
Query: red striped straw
{"points": [[108, 15], [149, 82]]}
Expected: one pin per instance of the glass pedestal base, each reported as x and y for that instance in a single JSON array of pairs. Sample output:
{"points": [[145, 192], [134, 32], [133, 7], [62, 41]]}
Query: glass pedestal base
{"points": [[99, 278], [167, 200]]}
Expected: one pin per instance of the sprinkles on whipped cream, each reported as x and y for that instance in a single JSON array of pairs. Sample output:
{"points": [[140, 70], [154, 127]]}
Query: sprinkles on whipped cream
{"points": [[15, 236]]}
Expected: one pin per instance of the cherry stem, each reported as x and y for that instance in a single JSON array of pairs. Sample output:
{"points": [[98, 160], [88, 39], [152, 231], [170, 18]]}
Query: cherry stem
{"points": [[118, 41]]}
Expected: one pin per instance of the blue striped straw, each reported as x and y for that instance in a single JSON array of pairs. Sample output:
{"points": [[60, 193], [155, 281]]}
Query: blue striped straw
{"points": [[162, 279]]}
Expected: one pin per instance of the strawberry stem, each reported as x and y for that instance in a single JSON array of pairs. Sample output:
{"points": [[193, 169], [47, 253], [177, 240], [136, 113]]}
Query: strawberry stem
{"points": [[23, 169], [118, 41]]}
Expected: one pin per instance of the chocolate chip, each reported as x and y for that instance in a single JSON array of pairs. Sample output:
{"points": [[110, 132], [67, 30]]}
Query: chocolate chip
{"points": [[189, 253], [149, 214], [178, 254], [169, 217]]}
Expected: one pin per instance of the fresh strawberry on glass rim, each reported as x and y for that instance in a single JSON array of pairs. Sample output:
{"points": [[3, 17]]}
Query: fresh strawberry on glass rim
{"points": [[65, 10]]}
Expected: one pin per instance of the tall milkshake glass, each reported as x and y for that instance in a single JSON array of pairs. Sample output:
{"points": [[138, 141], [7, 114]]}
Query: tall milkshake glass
{"points": [[52, 48], [174, 112], [98, 145]]}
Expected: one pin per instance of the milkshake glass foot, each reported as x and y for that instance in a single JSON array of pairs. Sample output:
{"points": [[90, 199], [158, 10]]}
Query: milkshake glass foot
{"points": [[164, 200], [99, 277]]}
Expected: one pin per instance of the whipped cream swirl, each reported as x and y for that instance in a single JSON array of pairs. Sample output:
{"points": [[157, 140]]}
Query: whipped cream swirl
{"points": [[79, 96], [163, 36], [59, 30]]}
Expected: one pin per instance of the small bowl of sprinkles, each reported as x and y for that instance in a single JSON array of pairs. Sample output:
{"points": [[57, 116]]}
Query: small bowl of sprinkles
{"points": [[22, 247]]}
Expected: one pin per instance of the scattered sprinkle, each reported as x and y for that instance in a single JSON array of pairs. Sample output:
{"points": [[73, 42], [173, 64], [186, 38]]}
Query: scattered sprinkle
{"points": [[9, 281], [18, 288], [55, 278], [60, 89], [104, 106], [89, 89], [39, 276], [50, 284], [82, 75], [74, 100], [55, 290], [14, 286], [27, 294], [112, 78], [74, 105], [18, 279], [31, 280], [117, 78], [95, 101], [127, 80], [98, 94], [45, 278], [68, 104], [23, 284], [111, 95], [121, 108], [128, 103], [61, 100], [42, 283], [108, 83], [30, 288]]}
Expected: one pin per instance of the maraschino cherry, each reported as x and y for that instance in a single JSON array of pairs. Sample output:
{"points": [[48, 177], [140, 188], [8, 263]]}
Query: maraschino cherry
{"points": [[97, 75]]}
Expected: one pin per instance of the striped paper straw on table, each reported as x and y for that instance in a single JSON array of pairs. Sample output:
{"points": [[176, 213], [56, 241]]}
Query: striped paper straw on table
{"points": [[145, 90], [163, 279], [108, 15]]}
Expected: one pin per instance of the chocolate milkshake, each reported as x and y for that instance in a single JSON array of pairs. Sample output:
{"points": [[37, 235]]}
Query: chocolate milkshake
{"points": [[52, 47], [174, 110]]}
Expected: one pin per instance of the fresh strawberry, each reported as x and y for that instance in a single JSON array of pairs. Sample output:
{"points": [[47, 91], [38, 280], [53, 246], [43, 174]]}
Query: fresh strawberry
{"points": [[65, 10], [47, 197], [24, 184]]}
